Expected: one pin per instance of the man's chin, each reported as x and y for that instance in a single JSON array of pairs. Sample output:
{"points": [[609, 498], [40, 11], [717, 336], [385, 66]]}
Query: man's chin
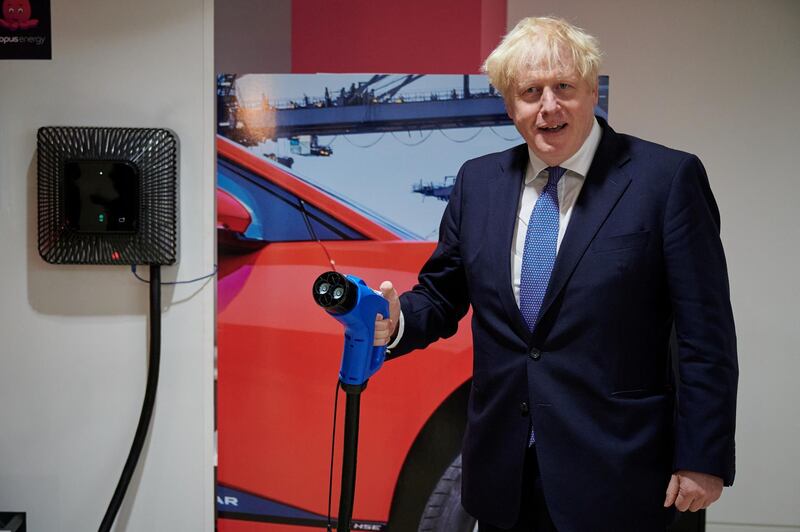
{"points": [[546, 152]]}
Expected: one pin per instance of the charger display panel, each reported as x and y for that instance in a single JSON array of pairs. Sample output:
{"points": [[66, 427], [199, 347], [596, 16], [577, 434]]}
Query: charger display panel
{"points": [[101, 196]]}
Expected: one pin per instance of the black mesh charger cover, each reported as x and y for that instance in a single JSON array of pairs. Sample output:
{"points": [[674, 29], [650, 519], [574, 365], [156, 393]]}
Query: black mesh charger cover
{"points": [[122, 210]]}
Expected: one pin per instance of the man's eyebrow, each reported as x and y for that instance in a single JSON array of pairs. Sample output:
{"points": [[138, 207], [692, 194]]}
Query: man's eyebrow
{"points": [[557, 77], [530, 81]]}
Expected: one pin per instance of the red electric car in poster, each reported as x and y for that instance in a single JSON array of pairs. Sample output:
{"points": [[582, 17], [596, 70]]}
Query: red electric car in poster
{"points": [[279, 358]]}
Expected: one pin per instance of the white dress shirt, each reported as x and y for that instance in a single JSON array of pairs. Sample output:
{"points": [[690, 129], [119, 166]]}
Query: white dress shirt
{"points": [[569, 187]]}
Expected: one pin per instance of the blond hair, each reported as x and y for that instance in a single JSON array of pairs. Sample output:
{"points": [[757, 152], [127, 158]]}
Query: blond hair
{"points": [[536, 42]]}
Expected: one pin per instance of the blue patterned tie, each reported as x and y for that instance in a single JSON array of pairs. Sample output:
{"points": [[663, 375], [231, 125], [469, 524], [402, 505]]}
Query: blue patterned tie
{"points": [[540, 249], [540, 252]]}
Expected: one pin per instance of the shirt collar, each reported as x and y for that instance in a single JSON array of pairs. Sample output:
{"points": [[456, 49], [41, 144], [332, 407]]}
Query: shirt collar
{"points": [[580, 161]]}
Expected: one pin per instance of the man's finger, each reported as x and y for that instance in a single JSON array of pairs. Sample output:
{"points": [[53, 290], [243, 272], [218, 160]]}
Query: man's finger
{"points": [[383, 325], [383, 330], [672, 491], [682, 502], [697, 504]]}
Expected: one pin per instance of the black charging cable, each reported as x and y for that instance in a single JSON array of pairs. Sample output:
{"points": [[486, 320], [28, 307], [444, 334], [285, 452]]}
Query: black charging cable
{"points": [[333, 447], [149, 393], [147, 405]]}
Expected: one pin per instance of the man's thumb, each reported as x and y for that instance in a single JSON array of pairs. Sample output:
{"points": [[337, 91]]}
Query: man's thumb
{"points": [[388, 291]]}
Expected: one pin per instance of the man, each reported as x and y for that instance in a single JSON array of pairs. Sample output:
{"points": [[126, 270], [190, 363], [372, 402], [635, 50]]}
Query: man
{"points": [[581, 252]]}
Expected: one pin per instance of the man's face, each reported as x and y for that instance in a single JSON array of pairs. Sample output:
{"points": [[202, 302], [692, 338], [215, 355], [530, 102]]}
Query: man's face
{"points": [[553, 111]]}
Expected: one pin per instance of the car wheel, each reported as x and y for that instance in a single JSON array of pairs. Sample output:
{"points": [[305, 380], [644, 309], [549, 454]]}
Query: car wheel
{"points": [[443, 511]]}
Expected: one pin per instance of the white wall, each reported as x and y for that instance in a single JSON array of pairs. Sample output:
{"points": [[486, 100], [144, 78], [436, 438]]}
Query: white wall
{"points": [[73, 349], [721, 79]]}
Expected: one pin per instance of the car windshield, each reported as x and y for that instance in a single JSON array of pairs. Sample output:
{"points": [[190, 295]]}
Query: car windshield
{"points": [[378, 218]]}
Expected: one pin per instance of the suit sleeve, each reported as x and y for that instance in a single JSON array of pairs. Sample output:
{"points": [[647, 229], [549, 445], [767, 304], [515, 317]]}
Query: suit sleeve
{"points": [[433, 308], [706, 339]]}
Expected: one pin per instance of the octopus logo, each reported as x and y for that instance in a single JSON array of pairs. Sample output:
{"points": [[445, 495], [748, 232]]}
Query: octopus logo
{"points": [[17, 15]]}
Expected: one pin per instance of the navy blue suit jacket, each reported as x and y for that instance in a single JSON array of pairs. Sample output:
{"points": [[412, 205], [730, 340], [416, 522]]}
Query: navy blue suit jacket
{"points": [[641, 256]]}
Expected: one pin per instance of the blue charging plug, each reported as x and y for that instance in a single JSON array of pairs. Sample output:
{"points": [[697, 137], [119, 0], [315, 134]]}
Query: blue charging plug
{"points": [[350, 301], [355, 305]]}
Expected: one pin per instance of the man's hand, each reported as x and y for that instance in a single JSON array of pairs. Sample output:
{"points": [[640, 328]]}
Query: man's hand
{"points": [[385, 328], [689, 490]]}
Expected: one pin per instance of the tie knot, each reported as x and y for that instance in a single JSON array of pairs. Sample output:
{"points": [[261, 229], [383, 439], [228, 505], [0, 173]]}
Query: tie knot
{"points": [[555, 173]]}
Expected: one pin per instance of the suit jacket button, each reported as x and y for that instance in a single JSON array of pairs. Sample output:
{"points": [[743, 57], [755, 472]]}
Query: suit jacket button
{"points": [[523, 408], [535, 354]]}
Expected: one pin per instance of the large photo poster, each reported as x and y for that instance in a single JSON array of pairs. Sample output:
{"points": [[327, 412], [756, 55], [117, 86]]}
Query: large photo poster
{"points": [[350, 172]]}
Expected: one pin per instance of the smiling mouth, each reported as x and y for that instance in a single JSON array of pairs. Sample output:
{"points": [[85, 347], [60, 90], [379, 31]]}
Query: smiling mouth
{"points": [[552, 129]]}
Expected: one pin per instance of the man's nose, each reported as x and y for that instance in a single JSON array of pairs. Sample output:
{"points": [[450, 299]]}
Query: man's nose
{"points": [[549, 101]]}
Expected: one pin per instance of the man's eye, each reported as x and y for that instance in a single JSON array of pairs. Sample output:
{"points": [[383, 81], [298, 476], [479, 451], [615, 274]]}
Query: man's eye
{"points": [[563, 86]]}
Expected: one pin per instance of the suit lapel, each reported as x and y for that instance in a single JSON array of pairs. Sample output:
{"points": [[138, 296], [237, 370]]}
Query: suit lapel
{"points": [[503, 206], [604, 185]]}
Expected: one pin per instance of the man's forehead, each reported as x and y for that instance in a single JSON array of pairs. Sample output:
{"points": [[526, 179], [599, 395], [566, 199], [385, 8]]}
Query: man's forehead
{"points": [[542, 72]]}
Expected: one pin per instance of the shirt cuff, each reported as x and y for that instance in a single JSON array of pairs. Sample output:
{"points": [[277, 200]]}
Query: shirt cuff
{"points": [[400, 328]]}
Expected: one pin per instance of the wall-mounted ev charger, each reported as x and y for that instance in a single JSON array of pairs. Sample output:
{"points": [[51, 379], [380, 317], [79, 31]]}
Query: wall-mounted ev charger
{"points": [[109, 196]]}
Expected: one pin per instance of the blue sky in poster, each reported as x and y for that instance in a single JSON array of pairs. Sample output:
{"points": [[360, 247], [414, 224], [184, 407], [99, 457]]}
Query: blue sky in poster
{"points": [[378, 170]]}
